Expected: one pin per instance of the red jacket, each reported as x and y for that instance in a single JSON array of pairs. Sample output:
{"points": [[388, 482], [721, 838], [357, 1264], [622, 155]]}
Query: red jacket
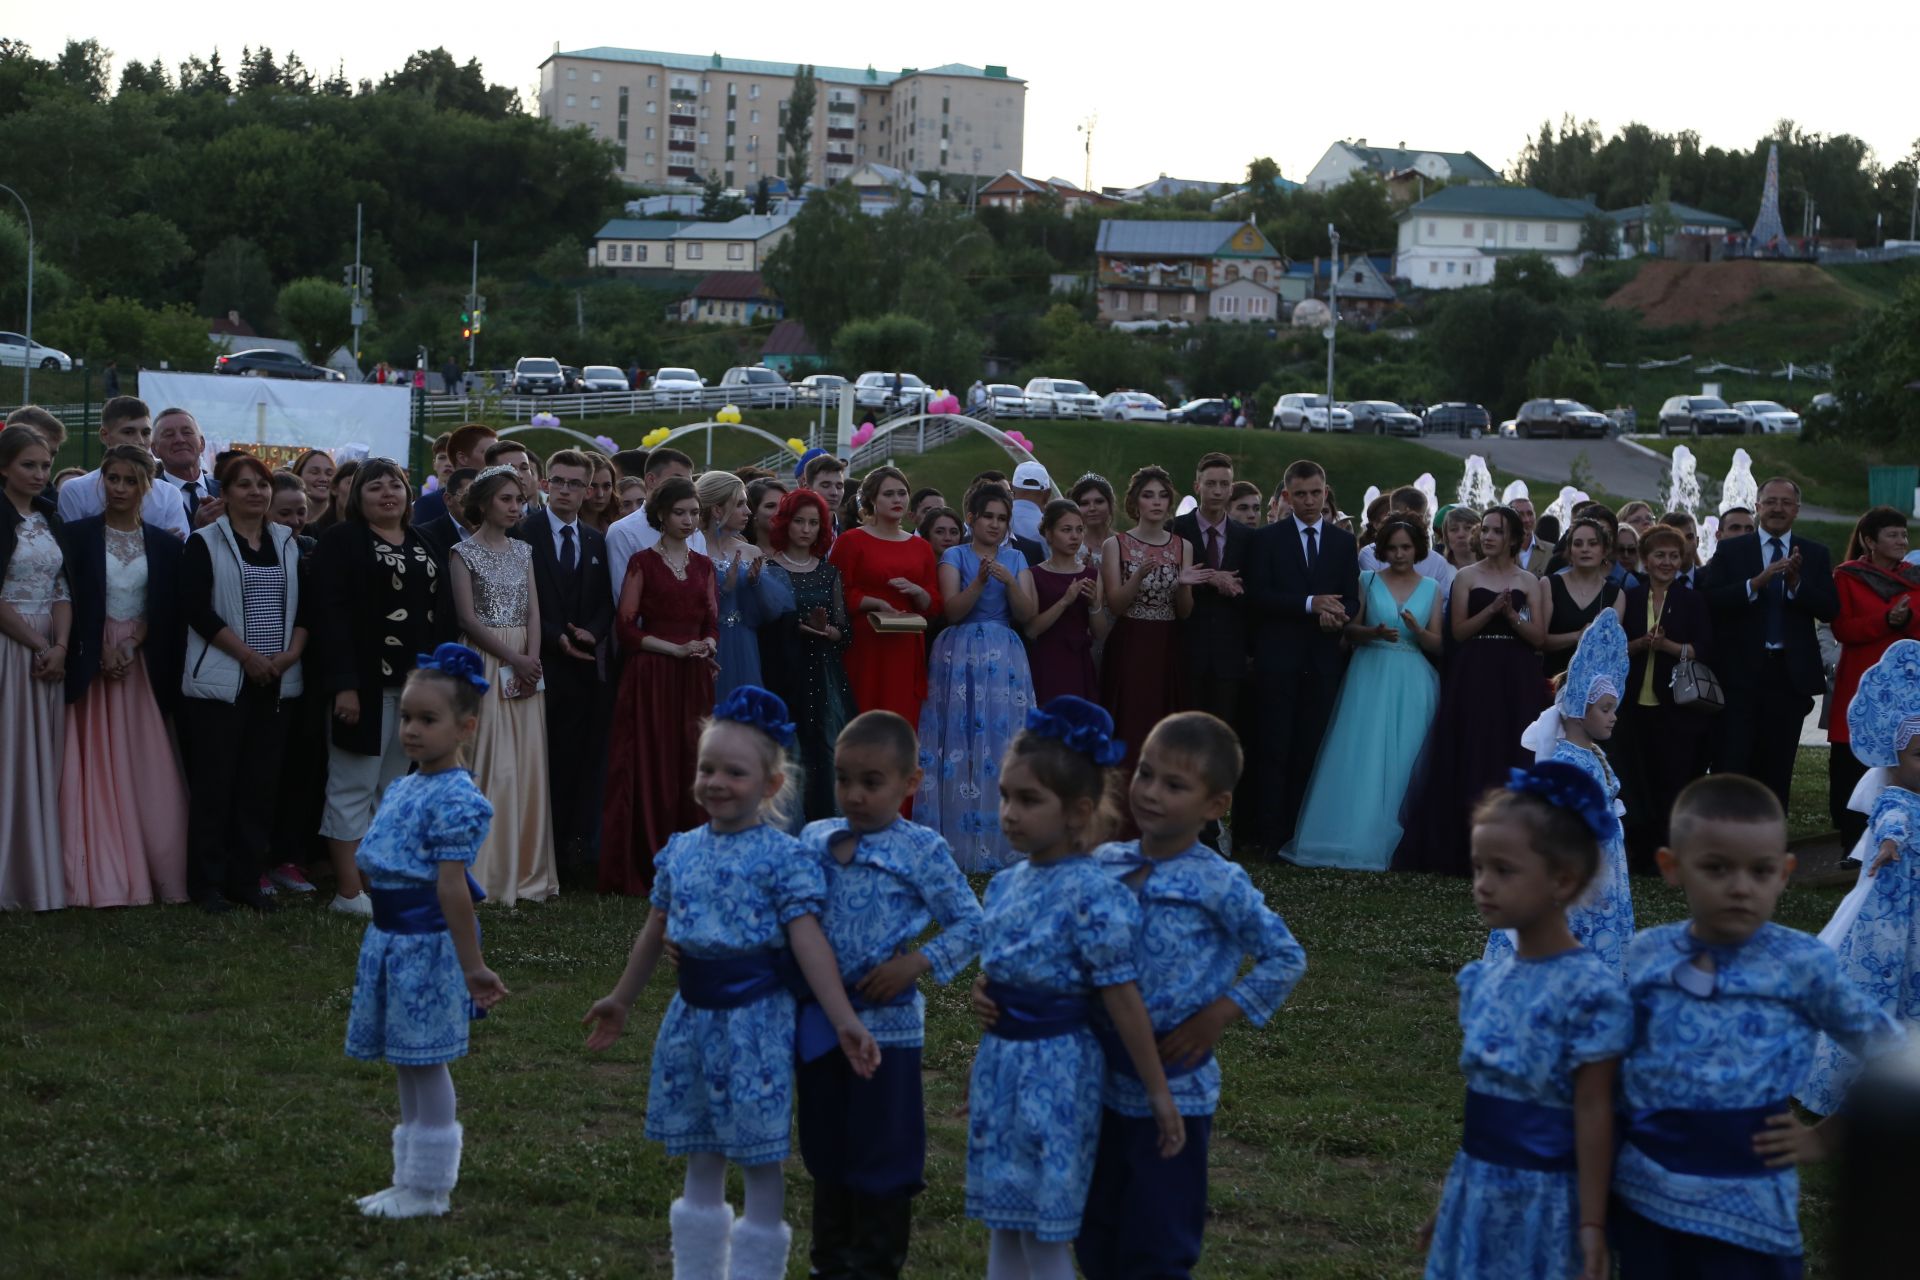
{"points": [[1862, 630]]}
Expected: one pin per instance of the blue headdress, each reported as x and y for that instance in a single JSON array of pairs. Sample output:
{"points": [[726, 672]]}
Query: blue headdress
{"points": [[1884, 715], [800, 467], [458, 661], [757, 708], [1082, 726], [1599, 666], [1567, 786]]}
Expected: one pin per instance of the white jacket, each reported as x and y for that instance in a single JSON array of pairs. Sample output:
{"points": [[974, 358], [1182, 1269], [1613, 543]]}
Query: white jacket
{"points": [[210, 673]]}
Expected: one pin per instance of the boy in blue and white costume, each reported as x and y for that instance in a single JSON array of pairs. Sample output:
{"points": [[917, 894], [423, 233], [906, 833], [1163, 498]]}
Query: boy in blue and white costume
{"points": [[1727, 1008], [888, 880]]}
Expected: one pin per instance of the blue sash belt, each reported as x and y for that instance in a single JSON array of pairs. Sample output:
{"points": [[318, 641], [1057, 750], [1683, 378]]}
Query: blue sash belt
{"points": [[1118, 1059], [731, 982], [1711, 1144], [1518, 1135], [814, 1036], [1027, 1014], [417, 911]]}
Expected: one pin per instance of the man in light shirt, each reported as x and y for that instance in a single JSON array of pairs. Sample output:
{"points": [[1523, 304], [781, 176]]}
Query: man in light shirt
{"points": [[1411, 504], [178, 444], [125, 420], [630, 535]]}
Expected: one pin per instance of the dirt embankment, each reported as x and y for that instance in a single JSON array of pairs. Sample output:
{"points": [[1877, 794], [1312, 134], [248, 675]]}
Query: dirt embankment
{"points": [[1671, 294]]}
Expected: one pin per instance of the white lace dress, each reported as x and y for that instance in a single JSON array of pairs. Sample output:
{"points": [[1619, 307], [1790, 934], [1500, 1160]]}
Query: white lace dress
{"points": [[32, 723]]}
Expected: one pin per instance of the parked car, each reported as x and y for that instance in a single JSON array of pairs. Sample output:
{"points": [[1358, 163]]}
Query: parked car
{"points": [[676, 388], [1767, 417], [1457, 417], [874, 390], [537, 376], [758, 386], [602, 377], [1004, 400], [1383, 418], [1061, 398], [818, 387], [1132, 406], [1306, 411], [15, 352], [1205, 413], [1699, 416], [1510, 429], [1565, 418], [264, 362]]}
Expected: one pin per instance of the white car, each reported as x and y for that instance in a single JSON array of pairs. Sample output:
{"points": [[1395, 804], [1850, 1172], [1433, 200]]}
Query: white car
{"points": [[677, 387], [1306, 411], [1061, 398], [1004, 400], [1132, 406], [602, 377], [874, 390], [1767, 417], [14, 352], [816, 388], [758, 386]]}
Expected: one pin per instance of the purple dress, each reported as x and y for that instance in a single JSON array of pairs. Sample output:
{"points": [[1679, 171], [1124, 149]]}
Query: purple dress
{"points": [[1061, 657]]}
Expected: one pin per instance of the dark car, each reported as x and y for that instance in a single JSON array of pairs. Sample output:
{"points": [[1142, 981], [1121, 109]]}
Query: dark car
{"points": [[1700, 416], [538, 376], [1458, 417], [1383, 418], [264, 362], [1565, 418], [1204, 413]]}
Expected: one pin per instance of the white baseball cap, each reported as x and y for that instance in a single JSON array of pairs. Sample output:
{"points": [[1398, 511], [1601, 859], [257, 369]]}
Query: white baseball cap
{"points": [[1031, 475]]}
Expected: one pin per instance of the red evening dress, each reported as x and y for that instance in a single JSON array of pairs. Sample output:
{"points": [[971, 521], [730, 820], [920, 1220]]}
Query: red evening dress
{"points": [[887, 672], [656, 719]]}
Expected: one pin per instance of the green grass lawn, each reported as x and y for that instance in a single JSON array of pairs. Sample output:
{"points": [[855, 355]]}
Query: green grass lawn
{"points": [[175, 1101], [1829, 475]]}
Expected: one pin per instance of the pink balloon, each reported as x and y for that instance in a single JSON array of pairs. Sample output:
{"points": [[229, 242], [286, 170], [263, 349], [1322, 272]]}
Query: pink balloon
{"points": [[862, 434]]}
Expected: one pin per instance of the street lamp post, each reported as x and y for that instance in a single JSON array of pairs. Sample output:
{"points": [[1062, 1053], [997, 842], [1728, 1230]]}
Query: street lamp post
{"points": [[26, 355], [1333, 314]]}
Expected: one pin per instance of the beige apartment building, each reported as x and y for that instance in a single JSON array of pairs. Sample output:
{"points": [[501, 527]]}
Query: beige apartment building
{"points": [[678, 118]]}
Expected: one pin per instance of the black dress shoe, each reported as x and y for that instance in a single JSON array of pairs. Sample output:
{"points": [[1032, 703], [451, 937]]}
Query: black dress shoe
{"points": [[214, 905], [257, 900]]}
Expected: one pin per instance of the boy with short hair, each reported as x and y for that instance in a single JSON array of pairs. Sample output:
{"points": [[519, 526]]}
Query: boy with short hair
{"points": [[826, 475], [865, 1141], [1728, 1006]]}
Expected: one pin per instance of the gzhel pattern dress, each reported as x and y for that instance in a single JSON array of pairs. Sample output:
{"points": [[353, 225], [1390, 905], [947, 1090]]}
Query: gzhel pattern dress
{"points": [[723, 1078], [33, 715], [410, 1003], [1068, 928], [1526, 1027], [978, 692], [510, 749]]}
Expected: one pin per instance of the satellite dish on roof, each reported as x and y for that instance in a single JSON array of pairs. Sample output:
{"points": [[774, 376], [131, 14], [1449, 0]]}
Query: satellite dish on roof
{"points": [[1311, 313]]}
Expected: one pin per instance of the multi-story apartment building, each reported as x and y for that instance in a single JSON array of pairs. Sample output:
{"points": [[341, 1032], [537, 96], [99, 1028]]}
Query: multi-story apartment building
{"points": [[680, 118]]}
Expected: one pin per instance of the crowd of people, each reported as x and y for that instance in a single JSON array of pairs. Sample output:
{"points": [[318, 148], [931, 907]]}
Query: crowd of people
{"points": [[606, 671]]}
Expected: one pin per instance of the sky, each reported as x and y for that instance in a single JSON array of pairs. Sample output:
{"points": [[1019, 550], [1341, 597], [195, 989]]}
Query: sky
{"points": [[1192, 101]]}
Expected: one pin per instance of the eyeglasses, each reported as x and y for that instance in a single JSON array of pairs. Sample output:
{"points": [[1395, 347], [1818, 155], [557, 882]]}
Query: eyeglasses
{"points": [[565, 485]]}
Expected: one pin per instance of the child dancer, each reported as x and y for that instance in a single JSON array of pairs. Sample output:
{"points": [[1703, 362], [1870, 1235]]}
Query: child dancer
{"points": [[1727, 1007], [865, 1141], [1058, 928], [420, 977], [1542, 1027], [735, 894], [1876, 931], [1570, 731], [1200, 915]]}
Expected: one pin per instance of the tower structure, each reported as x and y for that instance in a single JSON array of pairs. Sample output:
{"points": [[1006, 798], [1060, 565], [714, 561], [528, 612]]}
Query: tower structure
{"points": [[1767, 231]]}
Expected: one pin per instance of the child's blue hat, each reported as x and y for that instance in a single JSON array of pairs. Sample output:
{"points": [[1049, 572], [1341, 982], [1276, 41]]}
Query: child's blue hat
{"points": [[1567, 786], [1082, 726], [1599, 666], [757, 708]]}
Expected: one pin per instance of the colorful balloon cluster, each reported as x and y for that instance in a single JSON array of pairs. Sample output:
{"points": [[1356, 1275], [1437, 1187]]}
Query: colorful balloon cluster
{"points": [[544, 419], [728, 413], [945, 402], [796, 444], [607, 444], [654, 437], [1020, 439], [862, 434]]}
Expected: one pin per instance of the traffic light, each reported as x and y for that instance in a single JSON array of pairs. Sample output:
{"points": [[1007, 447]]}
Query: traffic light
{"points": [[466, 324]]}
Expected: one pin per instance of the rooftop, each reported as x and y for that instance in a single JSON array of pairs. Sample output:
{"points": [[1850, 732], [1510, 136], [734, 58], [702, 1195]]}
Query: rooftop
{"points": [[733, 286], [640, 228], [1177, 239], [789, 338], [1502, 202], [1385, 160], [751, 67], [747, 227], [1687, 216]]}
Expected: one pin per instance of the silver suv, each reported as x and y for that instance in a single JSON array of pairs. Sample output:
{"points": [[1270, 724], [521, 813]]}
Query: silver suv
{"points": [[757, 386], [1061, 398]]}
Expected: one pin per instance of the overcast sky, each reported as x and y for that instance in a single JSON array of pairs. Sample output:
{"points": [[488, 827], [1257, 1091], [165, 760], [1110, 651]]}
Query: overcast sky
{"points": [[1194, 92]]}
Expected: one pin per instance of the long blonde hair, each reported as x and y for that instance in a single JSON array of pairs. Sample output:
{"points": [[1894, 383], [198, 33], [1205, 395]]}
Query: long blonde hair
{"points": [[715, 489]]}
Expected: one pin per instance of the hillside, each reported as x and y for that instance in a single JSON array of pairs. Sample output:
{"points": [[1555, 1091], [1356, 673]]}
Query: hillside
{"points": [[1744, 310]]}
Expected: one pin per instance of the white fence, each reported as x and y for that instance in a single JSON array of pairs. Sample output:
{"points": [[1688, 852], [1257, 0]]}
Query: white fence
{"points": [[609, 403]]}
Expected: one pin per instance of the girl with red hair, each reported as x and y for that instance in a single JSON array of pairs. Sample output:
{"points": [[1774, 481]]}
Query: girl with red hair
{"points": [[803, 659]]}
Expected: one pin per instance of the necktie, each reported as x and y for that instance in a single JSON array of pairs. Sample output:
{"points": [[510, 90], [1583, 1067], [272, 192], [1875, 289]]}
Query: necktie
{"points": [[192, 492], [1313, 547], [1213, 548], [566, 549], [1776, 599]]}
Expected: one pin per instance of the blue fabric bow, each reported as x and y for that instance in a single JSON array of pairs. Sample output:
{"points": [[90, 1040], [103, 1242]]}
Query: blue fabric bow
{"points": [[1566, 786], [757, 708], [1082, 726], [458, 661]]}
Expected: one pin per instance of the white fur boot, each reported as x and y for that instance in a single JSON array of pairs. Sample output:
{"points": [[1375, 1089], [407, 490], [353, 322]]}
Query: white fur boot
{"points": [[402, 1134], [700, 1240], [760, 1253], [427, 1178]]}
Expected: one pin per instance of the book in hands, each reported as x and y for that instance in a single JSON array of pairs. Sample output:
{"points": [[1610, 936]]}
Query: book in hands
{"points": [[897, 623]]}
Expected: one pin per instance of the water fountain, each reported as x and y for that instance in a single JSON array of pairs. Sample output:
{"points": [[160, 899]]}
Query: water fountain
{"points": [[1514, 491], [1709, 537], [1562, 507], [1683, 485], [1426, 485], [1740, 489], [1476, 485]]}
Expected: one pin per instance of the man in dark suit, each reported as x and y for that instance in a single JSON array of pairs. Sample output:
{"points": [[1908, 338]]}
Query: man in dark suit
{"points": [[1213, 638], [1766, 591], [443, 531], [466, 447], [1302, 581], [576, 616]]}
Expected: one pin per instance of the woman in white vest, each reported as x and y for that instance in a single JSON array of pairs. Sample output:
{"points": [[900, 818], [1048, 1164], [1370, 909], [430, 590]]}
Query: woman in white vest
{"points": [[240, 595]]}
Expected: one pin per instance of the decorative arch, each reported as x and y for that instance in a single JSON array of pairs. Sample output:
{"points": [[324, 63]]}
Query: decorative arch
{"points": [[987, 429], [581, 436], [710, 427]]}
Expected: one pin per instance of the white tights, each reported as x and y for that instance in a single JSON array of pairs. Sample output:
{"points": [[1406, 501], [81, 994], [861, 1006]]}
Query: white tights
{"points": [[706, 1185], [426, 1096], [1016, 1255]]}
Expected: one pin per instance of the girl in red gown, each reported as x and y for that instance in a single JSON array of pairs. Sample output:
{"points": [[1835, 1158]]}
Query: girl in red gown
{"points": [[669, 627], [885, 570]]}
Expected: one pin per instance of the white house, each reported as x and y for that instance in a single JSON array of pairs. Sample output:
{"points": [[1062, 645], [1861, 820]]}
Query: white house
{"points": [[1451, 239], [640, 244], [1345, 159]]}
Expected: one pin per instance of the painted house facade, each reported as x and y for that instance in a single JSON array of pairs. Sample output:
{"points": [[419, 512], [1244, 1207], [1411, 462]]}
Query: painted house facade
{"points": [[641, 244], [1183, 271], [1452, 239]]}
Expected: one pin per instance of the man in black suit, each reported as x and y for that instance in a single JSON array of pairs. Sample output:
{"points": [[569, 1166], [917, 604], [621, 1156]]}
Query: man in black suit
{"points": [[443, 531], [1766, 590], [576, 616], [1213, 638], [1302, 581]]}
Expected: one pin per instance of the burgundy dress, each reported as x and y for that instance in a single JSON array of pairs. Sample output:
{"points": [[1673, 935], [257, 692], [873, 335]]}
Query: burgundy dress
{"points": [[1061, 657], [1141, 680], [656, 718]]}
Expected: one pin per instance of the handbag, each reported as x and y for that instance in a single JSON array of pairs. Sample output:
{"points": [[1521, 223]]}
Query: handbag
{"points": [[1695, 685]]}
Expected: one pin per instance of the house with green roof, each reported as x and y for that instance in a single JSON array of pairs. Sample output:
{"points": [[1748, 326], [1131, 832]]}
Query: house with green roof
{"points": [[1698, 236], [1451, 239], [1187, 271], [1396, 165]]}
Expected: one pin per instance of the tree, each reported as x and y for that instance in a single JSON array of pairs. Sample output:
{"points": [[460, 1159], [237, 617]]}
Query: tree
{"points": [[1662, 225], [433, 75], [1873, 375], [316, 313], [796, 128], [84, 66], [1567, 372], [148, 77], [809, 269], [236, 278], [762, 197], [120, 329], [258, 70], [1263, 188], [890, 341], [1600, 236], [716, 204]]}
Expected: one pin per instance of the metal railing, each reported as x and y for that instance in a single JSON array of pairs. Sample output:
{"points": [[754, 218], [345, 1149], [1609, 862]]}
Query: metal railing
{"points": [[608, 403]]}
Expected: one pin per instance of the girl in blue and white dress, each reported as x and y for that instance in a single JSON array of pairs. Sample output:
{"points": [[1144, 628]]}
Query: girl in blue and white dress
{"points": [[1543, 1027], [735, 895], [1570, 731], [421, 978], [1058, 929], [979, 687], [1876, 930]]}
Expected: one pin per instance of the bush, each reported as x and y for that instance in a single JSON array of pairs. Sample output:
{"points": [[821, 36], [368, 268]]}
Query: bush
{"points": [[102, 329]]}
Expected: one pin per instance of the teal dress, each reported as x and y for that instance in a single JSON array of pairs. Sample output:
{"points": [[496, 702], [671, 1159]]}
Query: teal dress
{"points": [[1380, 723]]}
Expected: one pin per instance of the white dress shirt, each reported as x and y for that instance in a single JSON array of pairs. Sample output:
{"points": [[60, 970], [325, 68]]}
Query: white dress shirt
{"points": [[1026, 520], [1766, 557], [86, 495], [629, 536], [556, 524]]}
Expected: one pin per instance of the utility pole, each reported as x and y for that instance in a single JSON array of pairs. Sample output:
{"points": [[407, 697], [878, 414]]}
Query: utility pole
{"points": [[1913, 213], [1333, 314], [26, 356], [359, 303], [473, 296], [1086, 127]]}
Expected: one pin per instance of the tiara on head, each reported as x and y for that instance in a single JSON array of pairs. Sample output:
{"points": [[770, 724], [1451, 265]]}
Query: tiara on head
{"points": [[757, 708], [1080, 726], [497, 469], [457, 661]]}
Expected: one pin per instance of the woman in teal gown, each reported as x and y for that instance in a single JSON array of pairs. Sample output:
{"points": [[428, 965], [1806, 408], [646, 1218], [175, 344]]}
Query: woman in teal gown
{"points": [[1380, 721]]}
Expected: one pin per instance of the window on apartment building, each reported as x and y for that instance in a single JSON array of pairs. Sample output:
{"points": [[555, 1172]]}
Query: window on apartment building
{"points": [[1450, 268], [594, 102], [693, 251], [570, 100], [623, 100], [946, 104], [753, 117], [780, 166], [626, 253], [1433, 268], [753, 142], [706, 86], [703, 137], [1466, 269], [731, 88], [1466, 229], [572, 74], [1225, 306], [653, 82], [753, 91], [1432, 228], [1149, 302], [593, 128], [1520, 232], [596, 77], [649, 133], [1553, 233], [736, 253], [753, 166]]}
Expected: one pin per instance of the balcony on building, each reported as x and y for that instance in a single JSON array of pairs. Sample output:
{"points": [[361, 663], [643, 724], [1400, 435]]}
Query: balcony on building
{"points": [[677, 145], [840, 133], [842, 108]]}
